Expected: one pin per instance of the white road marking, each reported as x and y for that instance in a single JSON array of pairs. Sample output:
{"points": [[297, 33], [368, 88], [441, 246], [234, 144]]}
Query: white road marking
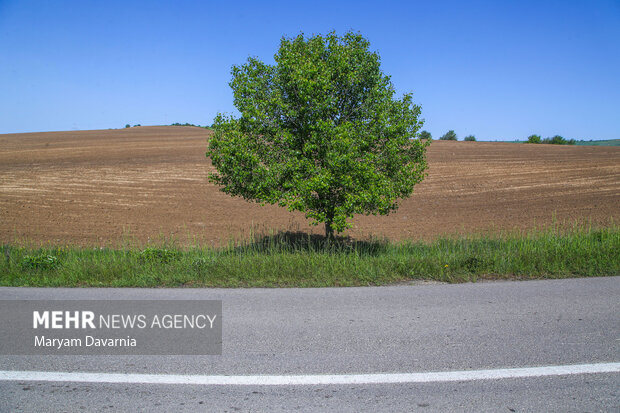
{"points": [[380, 378]]}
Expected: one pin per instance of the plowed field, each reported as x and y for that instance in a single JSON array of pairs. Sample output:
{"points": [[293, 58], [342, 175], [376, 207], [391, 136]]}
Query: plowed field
{"points": [[108, 187]]}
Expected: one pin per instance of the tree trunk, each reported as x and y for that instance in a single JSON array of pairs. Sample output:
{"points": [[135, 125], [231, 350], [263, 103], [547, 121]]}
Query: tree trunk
{"points": [[329, 231], [329, 221]]}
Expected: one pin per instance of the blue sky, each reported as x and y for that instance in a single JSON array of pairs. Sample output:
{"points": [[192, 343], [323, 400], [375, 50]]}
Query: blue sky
{"points": [[500, 70]]}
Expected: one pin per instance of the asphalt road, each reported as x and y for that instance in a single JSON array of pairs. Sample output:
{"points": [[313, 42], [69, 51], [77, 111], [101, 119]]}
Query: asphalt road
{"points": [[398, 329]]}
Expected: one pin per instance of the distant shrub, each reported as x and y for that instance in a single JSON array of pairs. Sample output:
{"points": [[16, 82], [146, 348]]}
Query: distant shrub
{"points": [[555, 140], [137, 125], [425, 135], [191, 124], [161, 255], [128, 126], [449, 136], [470, 138], [186, 124], [39, 262], [533, 139], [558, 140]]}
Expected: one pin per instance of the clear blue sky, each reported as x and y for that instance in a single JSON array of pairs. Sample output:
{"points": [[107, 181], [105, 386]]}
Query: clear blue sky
{"points": [[496, 69]]}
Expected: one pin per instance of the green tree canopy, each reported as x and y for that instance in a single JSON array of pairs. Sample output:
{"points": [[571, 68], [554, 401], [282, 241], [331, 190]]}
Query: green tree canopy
{"points": [[425, 135], [470, 138], [533, 139], [449, 136], [320, 132]]}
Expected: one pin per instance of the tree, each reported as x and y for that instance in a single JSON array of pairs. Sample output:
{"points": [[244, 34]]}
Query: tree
{"points": [[449, 136], [426, 135], [470, 138], [320, 132], [533, 139]]}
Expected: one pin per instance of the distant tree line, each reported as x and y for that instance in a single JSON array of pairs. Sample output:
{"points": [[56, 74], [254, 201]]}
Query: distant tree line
{"points": [[174, 124], [555, 140], [448, 136], [190, 124], [451, 136]]}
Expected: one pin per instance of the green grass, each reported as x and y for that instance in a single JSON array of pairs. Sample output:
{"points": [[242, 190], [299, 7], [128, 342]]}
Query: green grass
{"points": [[300, 260], [608, 142]]}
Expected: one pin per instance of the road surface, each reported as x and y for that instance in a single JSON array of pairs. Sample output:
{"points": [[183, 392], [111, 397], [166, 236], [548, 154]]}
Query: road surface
{"points": [[423, 348]]}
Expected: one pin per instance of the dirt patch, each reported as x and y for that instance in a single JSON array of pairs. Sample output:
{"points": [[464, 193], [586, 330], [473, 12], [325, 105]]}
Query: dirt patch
{"points": [[144, 184]]}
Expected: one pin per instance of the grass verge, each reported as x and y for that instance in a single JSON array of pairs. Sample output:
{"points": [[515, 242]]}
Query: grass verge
{"points": [[301, 260]]}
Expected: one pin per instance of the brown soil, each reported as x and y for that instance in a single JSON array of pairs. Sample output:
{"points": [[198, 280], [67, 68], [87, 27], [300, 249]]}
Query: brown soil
{"points": [[109, 187]]}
